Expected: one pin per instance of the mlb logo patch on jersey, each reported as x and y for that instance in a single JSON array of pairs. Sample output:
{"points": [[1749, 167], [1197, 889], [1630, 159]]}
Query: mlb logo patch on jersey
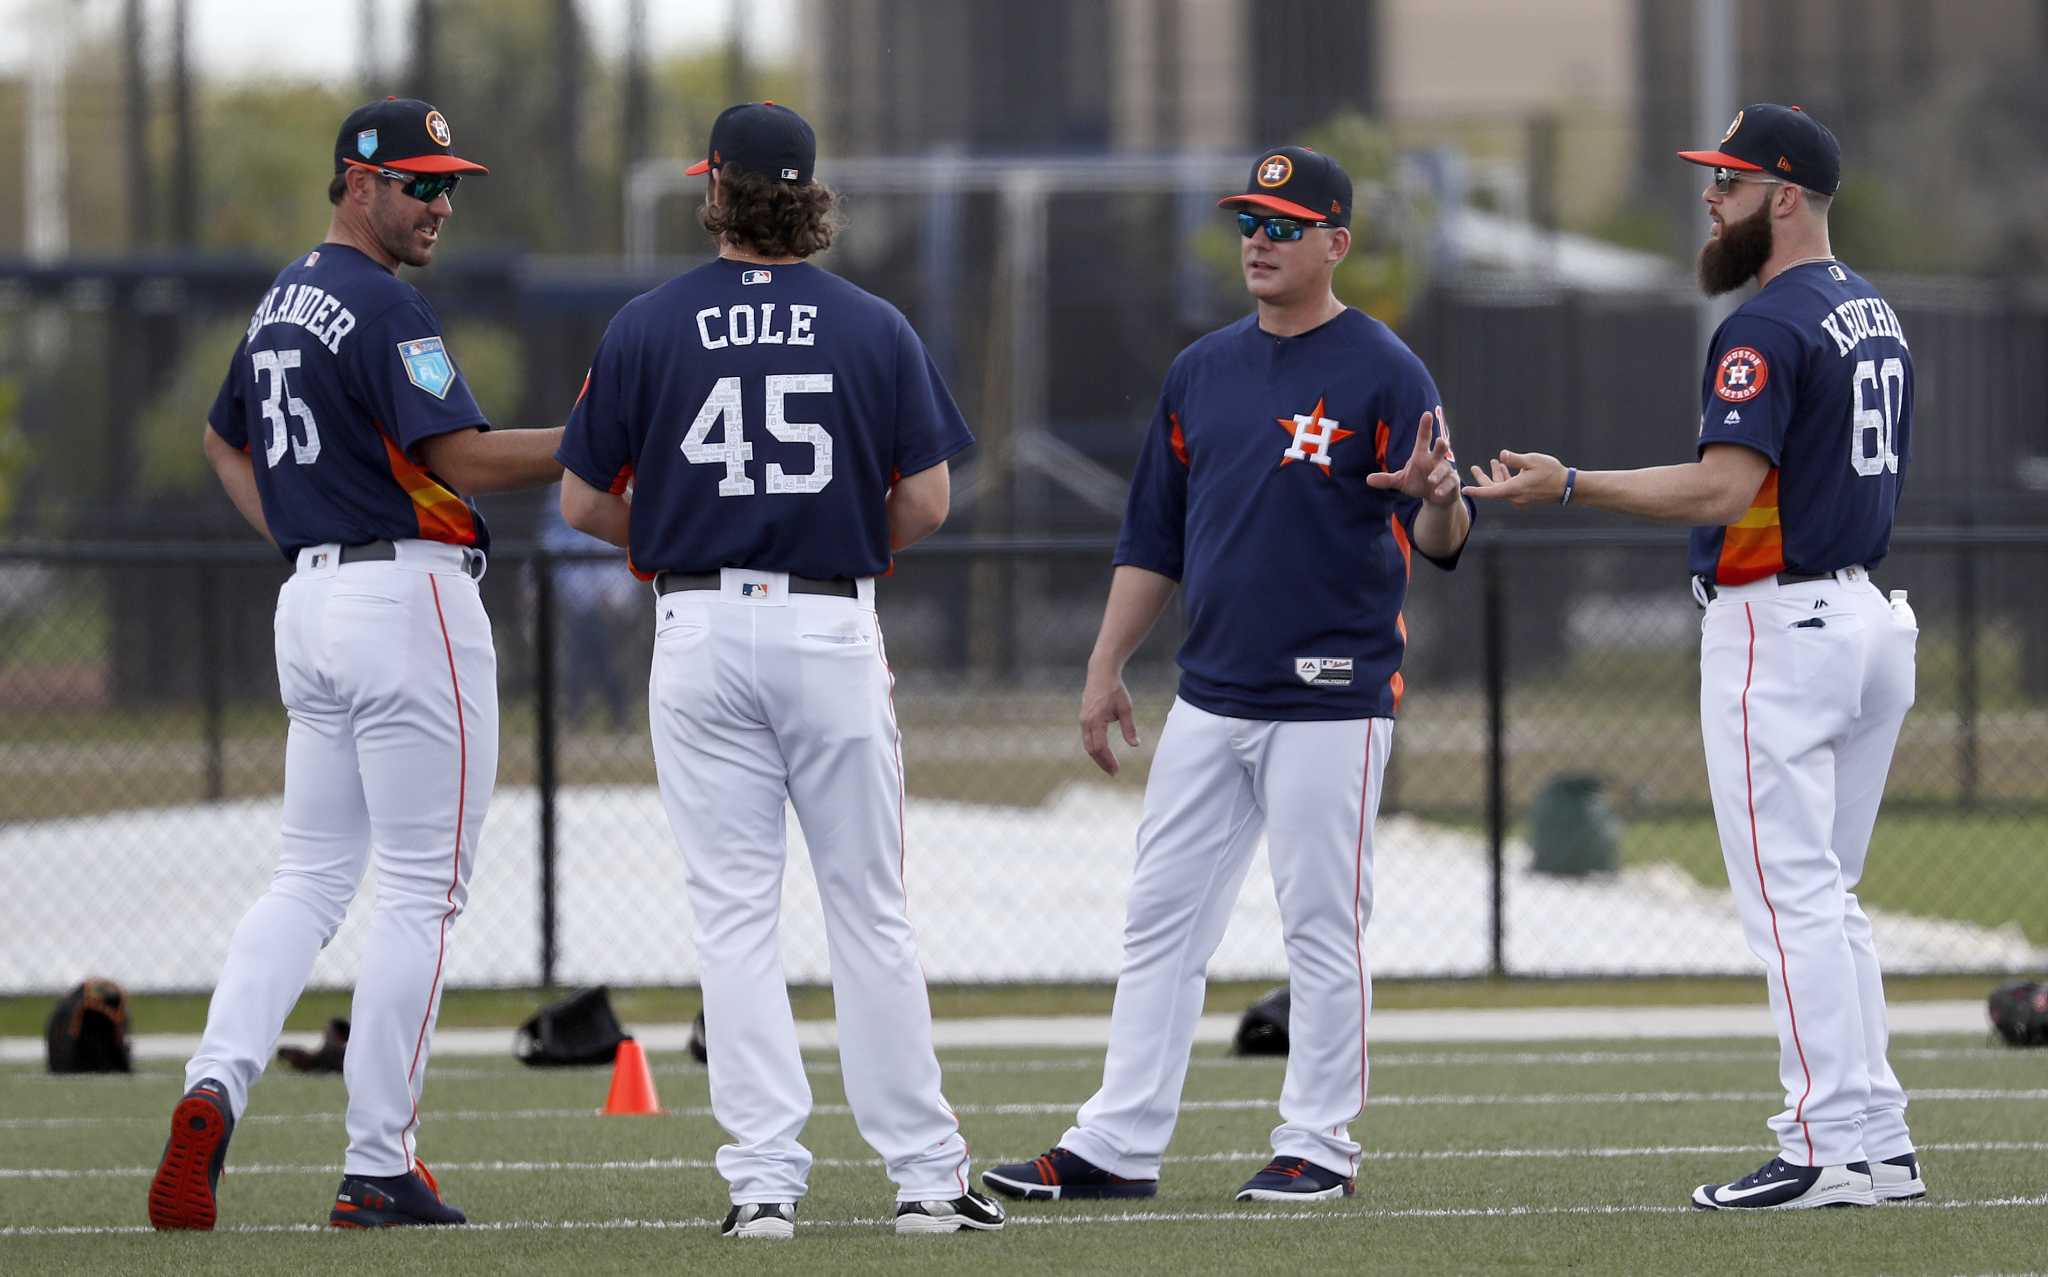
{"points": [[756, 276], [1324, 671], [1741, 374], [427, 365], [753, 589]]}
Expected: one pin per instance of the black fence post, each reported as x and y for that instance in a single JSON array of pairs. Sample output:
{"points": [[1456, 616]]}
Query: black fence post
{"points": [[1495, 623], [1967, 553], [544, 749], [212, 694]]}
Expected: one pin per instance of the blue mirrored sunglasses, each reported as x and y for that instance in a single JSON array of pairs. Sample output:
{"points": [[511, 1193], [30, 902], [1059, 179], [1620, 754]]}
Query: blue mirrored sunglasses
{"points": [[424, 187], [1279, 229]]}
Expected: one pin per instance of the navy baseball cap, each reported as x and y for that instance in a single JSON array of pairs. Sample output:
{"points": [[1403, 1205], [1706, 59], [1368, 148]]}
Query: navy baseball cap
{"points": [[1783, 141], [1294, 181], [405, 134], [762, 137]]}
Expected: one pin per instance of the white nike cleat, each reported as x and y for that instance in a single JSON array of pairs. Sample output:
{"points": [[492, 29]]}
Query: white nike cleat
{"points": [[775, 1221], [969, 1211], [1779, 1185], [1897, 1179]]}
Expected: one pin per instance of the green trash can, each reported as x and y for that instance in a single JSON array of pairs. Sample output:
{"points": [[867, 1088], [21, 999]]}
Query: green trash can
{"points": [[1573, 830]]}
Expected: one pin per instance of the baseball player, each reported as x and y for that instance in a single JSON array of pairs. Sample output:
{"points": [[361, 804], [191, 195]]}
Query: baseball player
{"points": [[1294, 459], [1806, 672], [345, 434], [784, 433]]}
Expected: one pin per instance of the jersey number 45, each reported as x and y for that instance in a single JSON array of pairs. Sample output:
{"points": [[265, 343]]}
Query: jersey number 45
{"points": [[722, 408]]}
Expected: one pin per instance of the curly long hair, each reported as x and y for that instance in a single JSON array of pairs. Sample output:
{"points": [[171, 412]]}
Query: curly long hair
{"points": [[773, 218]]}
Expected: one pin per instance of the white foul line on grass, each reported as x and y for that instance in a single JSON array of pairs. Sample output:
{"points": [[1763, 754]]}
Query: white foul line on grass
{"points": [[871, 1163], [1332, 1215], [1069, 1106]]}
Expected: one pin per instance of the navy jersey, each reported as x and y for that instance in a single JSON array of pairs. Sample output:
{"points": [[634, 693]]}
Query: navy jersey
{"points": [[1250, 491], [1813, 372], [342, 373], [761, 413]]}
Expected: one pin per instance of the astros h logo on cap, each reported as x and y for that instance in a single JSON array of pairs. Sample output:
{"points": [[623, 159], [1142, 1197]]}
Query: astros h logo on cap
{"points": [[402, 134], [1294, 181]]}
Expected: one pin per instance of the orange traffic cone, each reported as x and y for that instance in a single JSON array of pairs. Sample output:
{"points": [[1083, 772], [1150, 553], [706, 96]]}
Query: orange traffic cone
{"points": [[632, 1092]]}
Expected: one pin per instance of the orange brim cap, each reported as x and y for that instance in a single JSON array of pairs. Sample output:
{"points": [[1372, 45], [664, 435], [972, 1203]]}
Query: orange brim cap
{"points": [[699, 169], [1719, 159], [433, 164], [1272, 204]]}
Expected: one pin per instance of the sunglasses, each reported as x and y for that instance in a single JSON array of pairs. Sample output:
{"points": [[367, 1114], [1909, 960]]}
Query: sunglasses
{"points": [[424, 187], [1726, 178], [1281, 230]]}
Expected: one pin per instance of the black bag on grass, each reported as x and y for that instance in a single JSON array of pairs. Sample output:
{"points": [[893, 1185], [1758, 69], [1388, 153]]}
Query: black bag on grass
{"points": [[88, 1030], [580, 1029], [1263, 1030]]}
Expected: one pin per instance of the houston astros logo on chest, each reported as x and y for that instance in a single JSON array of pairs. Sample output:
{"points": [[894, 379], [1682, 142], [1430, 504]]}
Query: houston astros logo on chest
{"points": [[1314, 435]]}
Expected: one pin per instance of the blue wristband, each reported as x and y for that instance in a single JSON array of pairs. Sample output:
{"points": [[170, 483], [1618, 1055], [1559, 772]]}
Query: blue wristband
{"points": [[1571, 480]]}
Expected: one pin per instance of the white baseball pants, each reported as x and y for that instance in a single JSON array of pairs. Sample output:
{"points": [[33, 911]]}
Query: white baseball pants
{"points": [[1313, 788], [1802, 692], [760, 698], [391, 683]]}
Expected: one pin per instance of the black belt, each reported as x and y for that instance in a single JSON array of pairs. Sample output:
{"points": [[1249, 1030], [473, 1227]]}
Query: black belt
{"points": [[386, 552], [676, 582], [1704, 591]]}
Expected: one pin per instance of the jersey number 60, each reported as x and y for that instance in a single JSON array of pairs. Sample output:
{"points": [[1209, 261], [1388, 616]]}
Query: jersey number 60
{"points": [[733, 451], [277, 400], [1880, 421]]}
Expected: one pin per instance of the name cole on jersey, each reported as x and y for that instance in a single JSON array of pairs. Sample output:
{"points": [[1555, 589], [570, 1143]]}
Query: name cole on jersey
{"points": [[754, 324]]}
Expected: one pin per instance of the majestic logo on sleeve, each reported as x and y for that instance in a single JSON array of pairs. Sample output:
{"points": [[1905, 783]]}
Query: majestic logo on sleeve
{"points": [[1741, 374], [1314, 436], [427, 365]]}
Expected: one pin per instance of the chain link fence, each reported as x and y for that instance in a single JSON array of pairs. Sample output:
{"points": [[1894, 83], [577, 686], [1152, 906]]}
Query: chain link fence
{"points": [[1545, 810]]}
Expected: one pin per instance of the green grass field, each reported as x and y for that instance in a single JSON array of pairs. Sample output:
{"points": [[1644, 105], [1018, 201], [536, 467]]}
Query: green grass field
{"points": [[1542, 1158]]}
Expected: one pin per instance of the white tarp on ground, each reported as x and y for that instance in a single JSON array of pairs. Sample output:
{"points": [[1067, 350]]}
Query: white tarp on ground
{"points": [[150, 897]]}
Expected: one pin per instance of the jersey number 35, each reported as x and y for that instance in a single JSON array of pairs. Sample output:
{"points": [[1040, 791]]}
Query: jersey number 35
{"points": [[278, 399], [722, 408]]}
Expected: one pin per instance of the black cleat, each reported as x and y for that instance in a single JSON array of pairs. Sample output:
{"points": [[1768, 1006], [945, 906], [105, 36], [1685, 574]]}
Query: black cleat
{"points": [[392, 1201], [1057, 1173]]}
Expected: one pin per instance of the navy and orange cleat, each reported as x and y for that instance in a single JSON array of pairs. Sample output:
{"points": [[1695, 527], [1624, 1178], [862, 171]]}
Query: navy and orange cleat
{"points": [[1296, 1179], [183, 1193], [1057, 1173], [392, 1201]]}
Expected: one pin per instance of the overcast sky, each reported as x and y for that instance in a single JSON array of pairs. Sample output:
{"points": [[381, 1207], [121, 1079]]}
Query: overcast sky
{"points": [[322, 39]]}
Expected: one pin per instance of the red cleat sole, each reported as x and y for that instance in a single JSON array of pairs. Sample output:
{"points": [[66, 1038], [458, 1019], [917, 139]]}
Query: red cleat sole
{"points": [[181, 1196]]}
